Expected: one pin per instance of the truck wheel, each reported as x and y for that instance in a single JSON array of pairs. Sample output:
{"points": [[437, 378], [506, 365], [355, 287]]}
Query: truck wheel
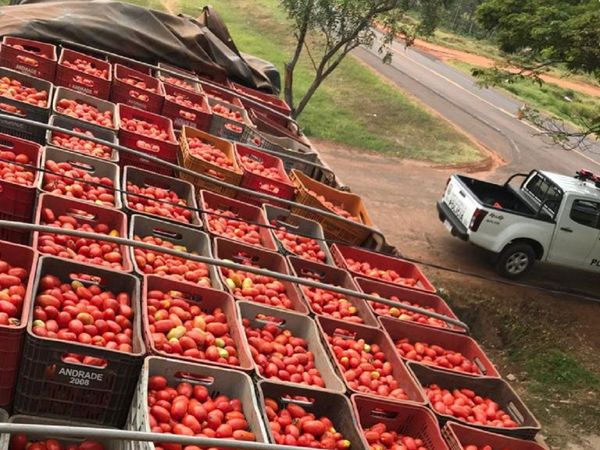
{"points": [[515, 260]]}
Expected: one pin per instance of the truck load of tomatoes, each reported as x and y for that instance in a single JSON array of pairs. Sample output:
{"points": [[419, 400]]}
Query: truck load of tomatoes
{"points": [[155, 336]]}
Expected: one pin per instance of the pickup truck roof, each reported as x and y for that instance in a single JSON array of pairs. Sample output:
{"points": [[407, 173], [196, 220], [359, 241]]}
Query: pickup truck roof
{"points": [[573, 185]]}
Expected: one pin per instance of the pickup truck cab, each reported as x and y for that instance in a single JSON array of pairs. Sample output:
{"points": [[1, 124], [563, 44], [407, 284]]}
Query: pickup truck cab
{"points": [[547, 217]]}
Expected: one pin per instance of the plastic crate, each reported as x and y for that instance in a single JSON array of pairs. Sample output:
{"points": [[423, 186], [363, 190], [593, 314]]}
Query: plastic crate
{"points": [[494, 388], [405, 419], [83, 212], [94, 166], [11, 337], [333, 276], [218, 380], [198, 165], [70, 123], [334, 228], [279, 217], [269, 100], [121, 92], [208, 300], [329, 327], [423, 299], [128, 62], [458, 436], [259, 183], [320, 402], [404, 269], [192, 85], [240, 253], [245, 212], [3, 416], [25, 110], [17, 202], [101, 105], [107, 444], [227, 128], [38, 59], [51, 387], [399, 329], [165, 150], [194, 240], [144, 178], [220, 94], [184, 116], [275, 125], [80, 81], [300, 326]]}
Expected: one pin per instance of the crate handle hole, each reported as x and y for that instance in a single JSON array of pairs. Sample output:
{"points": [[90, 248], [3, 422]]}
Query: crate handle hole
{"points": [[86, 279], [133, 93], [515, 412], [196, 378], [245, 259], [381, 414], [82, 166], [80, 214], [6, 143], [344, 334], [270, 320], [161, 232], [84, 360], [215, 174], [155, 184], [187, 114], [304, 401], [234, 128], [11, 109], [27, 60], [147, 146], [308, 273], [288, 223], [480, 365]]}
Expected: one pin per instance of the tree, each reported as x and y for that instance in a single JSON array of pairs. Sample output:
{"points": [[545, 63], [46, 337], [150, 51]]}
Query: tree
{"points": [[540, 34], [336, 27]]}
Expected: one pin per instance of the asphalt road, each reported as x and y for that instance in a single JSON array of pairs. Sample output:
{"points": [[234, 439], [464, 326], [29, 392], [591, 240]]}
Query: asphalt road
{"points": [[486, 114]]}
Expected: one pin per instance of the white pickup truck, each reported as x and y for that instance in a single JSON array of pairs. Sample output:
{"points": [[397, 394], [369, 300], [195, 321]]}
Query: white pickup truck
{"points": [[547, 217]]}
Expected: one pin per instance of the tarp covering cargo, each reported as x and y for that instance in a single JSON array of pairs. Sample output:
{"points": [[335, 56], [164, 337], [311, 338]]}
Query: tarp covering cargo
{"points": [[202, 45]]}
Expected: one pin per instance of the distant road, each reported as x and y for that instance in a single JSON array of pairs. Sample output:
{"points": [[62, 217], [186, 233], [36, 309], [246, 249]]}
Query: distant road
{"points": [[485, 114]]}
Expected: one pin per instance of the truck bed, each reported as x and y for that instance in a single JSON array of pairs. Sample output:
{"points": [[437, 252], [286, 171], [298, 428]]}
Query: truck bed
{"points": [[496, 196]]}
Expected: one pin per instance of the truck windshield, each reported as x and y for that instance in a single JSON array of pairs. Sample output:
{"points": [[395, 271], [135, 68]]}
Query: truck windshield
{"points": [[545, 192]]}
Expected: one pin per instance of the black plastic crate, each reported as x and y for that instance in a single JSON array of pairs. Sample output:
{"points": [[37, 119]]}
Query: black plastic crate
{"points": [[50, 387]]}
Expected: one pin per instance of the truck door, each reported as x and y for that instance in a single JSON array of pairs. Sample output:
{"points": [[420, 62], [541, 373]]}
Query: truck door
{"points": [[576, 235]]}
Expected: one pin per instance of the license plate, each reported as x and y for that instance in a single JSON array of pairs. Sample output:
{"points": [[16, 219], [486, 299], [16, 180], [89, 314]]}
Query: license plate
{"points": [[448, 225]]}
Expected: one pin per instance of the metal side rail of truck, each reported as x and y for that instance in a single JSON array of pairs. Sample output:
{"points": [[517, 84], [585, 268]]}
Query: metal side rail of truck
{"points": [[548, 217]]}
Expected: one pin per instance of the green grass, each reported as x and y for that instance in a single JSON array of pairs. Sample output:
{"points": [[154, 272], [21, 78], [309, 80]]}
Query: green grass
{"points": [[549, 98], [354, 107]]}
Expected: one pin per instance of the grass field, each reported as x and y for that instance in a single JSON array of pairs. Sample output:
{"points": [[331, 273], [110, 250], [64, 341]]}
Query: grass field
{"points": [[354, 107], [564, 104]]}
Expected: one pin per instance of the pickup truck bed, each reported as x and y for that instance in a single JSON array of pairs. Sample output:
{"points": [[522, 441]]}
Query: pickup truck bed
{"points": [[496, 196]]}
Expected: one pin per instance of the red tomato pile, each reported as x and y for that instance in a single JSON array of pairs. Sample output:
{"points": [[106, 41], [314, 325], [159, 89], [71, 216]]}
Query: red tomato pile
{"points": [[209, 153], [14, 89], [138, 84], [88, 315], [81, 145], [293, 425], [436, 355], [464, 404], [86, 66], [229, 225], [22, 442], [184, 100], [304, 247], [63, 179], [177, 82], [191, 411], [329, 303], [162, 202], [224, 111], [386, 275], [180, 327], [404, 314], [335, 208], [379, 438], [84, 111], [259, 168], [281, 355], [14, 172], [12, 293], [145, 128], [174, 267], [89, 251], [485, 447], [256, 288], [365, 367]]}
